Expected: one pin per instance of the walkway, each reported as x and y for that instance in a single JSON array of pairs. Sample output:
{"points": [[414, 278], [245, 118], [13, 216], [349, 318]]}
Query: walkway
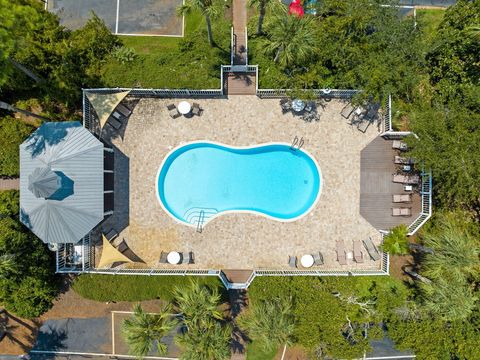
{"points": [[9, 184], [240, 82]]}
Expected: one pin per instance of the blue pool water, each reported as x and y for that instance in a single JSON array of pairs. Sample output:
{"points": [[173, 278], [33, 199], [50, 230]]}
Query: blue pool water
{"points": [[205, 179]]}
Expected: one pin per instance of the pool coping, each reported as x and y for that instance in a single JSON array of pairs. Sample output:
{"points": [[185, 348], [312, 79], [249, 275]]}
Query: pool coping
{"points": [[257, 213]]}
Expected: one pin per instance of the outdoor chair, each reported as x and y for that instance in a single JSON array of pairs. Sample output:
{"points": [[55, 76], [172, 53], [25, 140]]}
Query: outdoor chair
{"points": [[405, 179], [399, 145], [310, 106], [341, 254], [116, 115], [403, 160], [111, 234], [403, 198], [114, 123], [187, 258], [196, 109], [347, 110], [357, 251], [371, 249], [192, 257], [363, 125], [371, 113], [286, 107], [122, 247], [171, 107], [163, 258], [125, 111], [404, 211], [175, 113], [292, 261], [317, 258]]}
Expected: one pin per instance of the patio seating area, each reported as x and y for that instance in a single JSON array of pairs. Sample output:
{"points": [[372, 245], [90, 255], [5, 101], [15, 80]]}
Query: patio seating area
{"points": [[234, 240]]}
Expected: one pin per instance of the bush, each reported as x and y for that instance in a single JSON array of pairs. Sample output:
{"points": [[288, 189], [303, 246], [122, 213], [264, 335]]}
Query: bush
{"points": [[9, 203], [29, 291], [133, 287], [12, 132]]}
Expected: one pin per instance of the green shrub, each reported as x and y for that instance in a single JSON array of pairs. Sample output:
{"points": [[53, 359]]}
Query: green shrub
{"points": [[133, 287], [12, 133], [9, 203]]}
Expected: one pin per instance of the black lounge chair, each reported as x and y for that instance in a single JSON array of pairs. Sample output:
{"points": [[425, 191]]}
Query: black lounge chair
{"points": [[125, 111], [347, 110], [122, 247], [113, 122], [111, 234]]}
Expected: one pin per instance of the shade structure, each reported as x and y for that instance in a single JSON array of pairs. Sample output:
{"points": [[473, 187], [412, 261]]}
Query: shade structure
{"points": [[68, 154], [110, 255], [43, 182], [104, 104]]}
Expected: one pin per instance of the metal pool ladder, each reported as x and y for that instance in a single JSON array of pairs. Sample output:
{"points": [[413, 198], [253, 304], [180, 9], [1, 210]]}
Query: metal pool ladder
{"points": [[298, 143]]}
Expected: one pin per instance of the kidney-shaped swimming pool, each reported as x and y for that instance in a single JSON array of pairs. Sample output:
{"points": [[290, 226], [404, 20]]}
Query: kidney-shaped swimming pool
{"points": [[201, 180]]}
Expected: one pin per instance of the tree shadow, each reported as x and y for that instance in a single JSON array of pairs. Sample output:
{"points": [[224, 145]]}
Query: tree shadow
{"points": [[48, 134], [8, 330]]}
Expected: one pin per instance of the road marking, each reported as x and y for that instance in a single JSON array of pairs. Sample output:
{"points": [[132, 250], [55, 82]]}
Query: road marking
{"points": [[113, 333], [116, 23], [98, 354]]}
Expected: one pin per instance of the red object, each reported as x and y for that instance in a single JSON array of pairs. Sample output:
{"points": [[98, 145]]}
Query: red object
{"points": [[296, 8]]}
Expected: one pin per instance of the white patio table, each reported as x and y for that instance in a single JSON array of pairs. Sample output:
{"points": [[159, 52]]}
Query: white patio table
{"points": [[307, 260], [173, 257], [298, 105], [184, 107]]}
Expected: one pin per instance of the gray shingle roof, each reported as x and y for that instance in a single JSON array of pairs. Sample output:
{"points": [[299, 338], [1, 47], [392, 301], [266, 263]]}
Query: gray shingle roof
{"points": [[68, 155]]}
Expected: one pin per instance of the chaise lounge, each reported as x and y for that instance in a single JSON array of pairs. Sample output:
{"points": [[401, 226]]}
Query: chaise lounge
{"points": [[403, 211], [399, 145], [404, 179], [403, 160], [341, 253], [403, 198], [371, 249], [357, 251]]}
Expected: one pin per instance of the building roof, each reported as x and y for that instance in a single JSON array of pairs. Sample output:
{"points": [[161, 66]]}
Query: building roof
{"points": [[61, 182]]}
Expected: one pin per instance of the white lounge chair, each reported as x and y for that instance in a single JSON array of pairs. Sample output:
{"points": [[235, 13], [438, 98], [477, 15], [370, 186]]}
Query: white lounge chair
{"points": [[399, 145], [403, 160], [402, 211], [403, 198], [404, 179]]}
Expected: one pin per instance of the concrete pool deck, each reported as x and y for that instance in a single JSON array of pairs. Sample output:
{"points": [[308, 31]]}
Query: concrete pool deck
{"points": [[239, 241]]}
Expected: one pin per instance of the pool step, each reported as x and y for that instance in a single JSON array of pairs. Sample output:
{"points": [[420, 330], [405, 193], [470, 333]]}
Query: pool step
{"points": [[199, 216]]}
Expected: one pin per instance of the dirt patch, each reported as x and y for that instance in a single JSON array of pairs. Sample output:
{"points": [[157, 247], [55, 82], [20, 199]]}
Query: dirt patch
{"points": [[396, 264], [18, 334], [292, 353], [71, 305]]}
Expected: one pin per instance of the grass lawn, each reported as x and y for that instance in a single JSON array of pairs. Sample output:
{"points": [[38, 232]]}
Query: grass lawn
{"points": [[428, 21], [168, 62], [134, 287], [255, 352]]}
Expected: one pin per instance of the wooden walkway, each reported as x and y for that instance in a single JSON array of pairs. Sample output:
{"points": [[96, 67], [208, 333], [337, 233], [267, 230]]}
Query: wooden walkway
{"points": [[239, 9], [377, 188], [9, 184], [241, 84]]}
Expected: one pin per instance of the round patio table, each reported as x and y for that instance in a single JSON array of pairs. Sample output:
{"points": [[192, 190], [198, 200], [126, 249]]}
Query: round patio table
{"points": [[184, 107], [307, 260], [298, 105], [173, 257]]}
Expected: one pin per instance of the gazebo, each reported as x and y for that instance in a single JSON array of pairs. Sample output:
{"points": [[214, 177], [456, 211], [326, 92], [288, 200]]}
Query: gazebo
{"points": [[61, 182]]}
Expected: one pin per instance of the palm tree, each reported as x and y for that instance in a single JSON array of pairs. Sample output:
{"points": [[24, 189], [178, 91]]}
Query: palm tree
{"points": [[209, 343], [197, 304], [396, 242], [291, 40], [449, 298], [8, 265], [269, 323], [211, 9], [262, 6], [474, 31], [456, 251], [143, 329]]}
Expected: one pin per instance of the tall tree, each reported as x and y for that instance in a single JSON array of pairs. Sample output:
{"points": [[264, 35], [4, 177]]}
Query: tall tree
{"points": [[396, 241], [143, 331], [210, 9], [263, 6], [291, 40], [197, 304], [270, 323]]}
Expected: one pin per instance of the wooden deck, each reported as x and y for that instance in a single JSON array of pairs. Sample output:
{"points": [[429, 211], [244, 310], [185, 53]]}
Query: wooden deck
{"points": [[241, 84], [377, 189]]}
